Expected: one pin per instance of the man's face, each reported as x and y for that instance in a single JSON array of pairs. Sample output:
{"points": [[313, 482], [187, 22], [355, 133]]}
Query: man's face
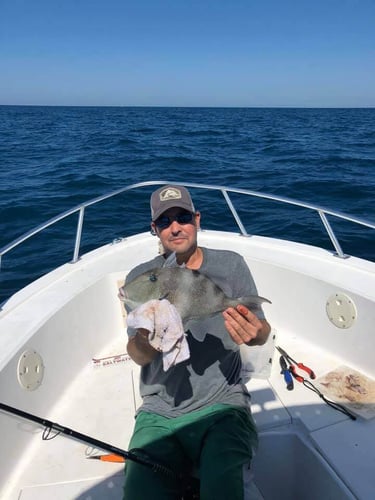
{"points": [[177, 230]]}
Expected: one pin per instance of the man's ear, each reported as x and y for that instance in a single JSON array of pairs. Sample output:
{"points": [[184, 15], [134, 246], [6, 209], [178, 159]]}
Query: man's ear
{"points": [[197, 216], [153, 229]]}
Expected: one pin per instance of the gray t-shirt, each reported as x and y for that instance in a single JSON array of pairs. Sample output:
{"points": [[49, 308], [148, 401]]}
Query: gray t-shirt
{"points": [[212, 374]]}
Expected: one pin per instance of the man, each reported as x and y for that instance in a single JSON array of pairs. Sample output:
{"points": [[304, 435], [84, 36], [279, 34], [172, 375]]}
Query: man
{"points": [[197, 413]]}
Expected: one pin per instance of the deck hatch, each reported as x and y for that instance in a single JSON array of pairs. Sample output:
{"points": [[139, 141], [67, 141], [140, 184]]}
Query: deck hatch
{"points": [[341, 310], [30, 370]]}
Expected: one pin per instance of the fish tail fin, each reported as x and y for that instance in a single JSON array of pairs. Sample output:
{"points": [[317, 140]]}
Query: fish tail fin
{"points": [[250, 301]]}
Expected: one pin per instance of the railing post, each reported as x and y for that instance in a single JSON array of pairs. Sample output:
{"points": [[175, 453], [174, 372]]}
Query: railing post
{"points": [[234, 213], [78, 235], [332, 235]]}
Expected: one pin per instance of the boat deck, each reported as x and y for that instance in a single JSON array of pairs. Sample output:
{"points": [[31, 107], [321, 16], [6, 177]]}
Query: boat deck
{"points": [[102, 401]]}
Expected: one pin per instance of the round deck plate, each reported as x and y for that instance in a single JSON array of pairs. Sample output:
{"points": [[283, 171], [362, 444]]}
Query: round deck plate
{"points": [[30, 370], [341, 310]]}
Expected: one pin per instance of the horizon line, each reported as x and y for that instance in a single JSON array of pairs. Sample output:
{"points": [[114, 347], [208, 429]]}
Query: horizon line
{"points": [[182, 106]]}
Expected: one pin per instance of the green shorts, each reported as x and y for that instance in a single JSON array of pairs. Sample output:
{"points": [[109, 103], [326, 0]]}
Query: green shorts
{"points": [[219, 441]]}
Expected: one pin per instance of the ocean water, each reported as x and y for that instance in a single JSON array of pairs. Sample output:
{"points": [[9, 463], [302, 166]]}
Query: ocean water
{"points": [[53, 158]]}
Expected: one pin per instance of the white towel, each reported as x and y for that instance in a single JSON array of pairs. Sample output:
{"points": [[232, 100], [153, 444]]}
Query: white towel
{"points": [[167, 335]]}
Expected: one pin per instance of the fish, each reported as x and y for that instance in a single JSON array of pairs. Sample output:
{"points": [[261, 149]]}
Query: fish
{"points": [[193, 294]]}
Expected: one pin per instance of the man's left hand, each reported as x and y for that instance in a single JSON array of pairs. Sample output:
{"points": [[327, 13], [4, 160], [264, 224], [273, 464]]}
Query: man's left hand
{"points": [[244, 326]]}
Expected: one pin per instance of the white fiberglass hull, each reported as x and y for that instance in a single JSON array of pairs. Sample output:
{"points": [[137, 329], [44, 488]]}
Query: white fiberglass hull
{"points": [[72, 316]]}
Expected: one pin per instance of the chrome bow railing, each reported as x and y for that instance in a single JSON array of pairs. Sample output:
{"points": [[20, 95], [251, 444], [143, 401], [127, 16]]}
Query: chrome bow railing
{"points": [[226, 191]]}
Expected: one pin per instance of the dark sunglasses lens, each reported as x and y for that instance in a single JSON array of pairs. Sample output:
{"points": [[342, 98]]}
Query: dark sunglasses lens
{"points": [[184, 218], [164, 222]]}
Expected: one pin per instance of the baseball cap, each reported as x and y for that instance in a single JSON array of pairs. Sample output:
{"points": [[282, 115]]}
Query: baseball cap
{"points": [[169, 197]]}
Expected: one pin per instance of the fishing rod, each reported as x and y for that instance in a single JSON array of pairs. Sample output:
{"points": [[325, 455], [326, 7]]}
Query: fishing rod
{"points": [[59, 429]]}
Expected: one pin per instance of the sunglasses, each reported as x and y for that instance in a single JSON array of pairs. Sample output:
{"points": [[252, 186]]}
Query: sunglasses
{"points": [[164, 221]]}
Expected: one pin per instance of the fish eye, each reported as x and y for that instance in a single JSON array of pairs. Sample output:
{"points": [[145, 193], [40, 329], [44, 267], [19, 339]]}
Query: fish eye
{"points": [[153, 277]]}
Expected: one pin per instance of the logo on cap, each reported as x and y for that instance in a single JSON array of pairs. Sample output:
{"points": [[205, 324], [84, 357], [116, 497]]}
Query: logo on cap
{"points": [[170, 194]]}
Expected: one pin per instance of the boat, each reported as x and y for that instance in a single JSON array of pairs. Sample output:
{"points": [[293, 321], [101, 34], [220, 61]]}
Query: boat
{"points": [[69, 391]]}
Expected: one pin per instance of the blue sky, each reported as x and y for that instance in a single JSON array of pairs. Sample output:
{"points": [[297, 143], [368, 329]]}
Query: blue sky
{"points": [[317, 53]]}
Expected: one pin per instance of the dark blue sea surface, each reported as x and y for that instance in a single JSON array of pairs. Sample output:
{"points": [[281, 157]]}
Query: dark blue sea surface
{"points": [[53, 158]]}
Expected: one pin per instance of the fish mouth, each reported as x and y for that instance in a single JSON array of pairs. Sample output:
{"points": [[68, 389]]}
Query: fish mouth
{"points": [[131, 304], [123, 295]]}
